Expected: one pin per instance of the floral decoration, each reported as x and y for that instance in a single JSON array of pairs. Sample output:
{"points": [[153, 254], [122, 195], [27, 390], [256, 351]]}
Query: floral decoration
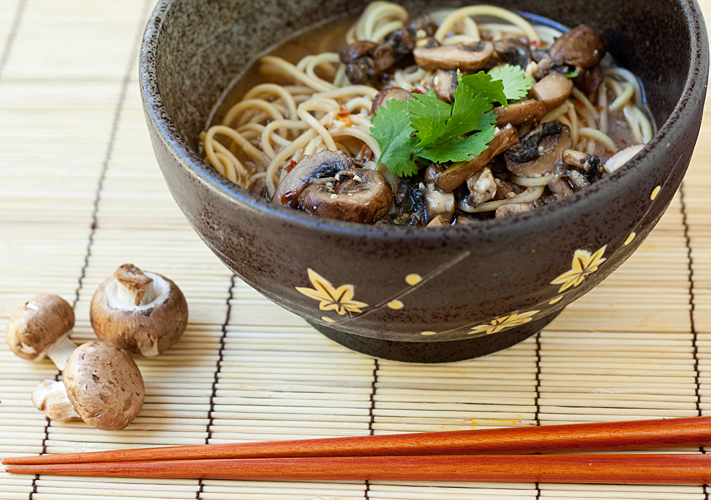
{"points": [[584, 264], [332, 299], [504, 323]]}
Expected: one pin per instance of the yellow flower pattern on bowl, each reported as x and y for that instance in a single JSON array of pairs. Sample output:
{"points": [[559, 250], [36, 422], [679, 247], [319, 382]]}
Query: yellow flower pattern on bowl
{"points": [[584, 264], [332, 299], [504, 323]]}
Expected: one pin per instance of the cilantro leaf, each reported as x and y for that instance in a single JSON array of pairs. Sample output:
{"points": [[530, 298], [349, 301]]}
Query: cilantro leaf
{"points": [[391, 129], [516, 83], [461, 149], [481, 84], [423, 127], [469, 111], [428, 115]]}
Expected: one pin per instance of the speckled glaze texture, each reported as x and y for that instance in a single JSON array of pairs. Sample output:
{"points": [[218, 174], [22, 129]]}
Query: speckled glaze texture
{"points": [[414, 294]]}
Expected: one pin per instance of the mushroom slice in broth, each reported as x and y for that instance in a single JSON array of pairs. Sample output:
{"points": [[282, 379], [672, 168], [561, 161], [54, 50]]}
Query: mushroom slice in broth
{"points": [[452, 57], [536, 154], [359, 195], [319, 165]]}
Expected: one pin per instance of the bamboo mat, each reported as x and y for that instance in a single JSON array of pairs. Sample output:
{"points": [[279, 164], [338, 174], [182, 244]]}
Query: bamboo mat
{"points": [[80, 193]]}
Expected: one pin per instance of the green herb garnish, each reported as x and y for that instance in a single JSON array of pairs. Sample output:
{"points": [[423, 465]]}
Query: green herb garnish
{"points": [[430, 130], [516, 83]]}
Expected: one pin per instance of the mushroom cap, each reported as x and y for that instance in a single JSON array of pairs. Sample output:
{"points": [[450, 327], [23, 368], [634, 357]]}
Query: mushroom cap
{"points": [[581, 46], [520, 112], [143, 330], [104, 385], [41, 322], [457, 174], [463, 57], [552, 90], [318, 165], [536, 154], [362, 195], [382, 97]]}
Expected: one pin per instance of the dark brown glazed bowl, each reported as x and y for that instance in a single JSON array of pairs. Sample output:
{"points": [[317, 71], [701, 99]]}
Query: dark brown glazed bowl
{"points": [[416, 294]]}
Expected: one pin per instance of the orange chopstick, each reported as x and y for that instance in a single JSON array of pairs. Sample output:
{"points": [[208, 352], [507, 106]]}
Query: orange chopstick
{"points": [[611, 469], [611, 436]]}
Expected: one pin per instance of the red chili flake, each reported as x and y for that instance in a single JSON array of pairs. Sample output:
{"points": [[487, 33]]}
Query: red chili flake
{"points": [[623, 141], [343, 111], [290, 166], [417, 91], [608, 152], [536, 44], [288, 197]]}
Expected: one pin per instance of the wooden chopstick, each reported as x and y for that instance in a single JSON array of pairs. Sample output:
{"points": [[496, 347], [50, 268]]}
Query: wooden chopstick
{"points": [[611, 469], [610, 436]]}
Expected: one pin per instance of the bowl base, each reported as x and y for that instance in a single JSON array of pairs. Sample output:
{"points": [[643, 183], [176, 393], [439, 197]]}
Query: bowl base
{"points": [[436, 352]]}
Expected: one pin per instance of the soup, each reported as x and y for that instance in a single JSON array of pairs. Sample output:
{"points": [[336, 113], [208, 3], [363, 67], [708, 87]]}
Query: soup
{"points": [[435, 119]]}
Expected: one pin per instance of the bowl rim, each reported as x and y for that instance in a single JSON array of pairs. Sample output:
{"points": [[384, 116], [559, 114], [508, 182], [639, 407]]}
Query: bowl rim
{"points": [[589, 199]]}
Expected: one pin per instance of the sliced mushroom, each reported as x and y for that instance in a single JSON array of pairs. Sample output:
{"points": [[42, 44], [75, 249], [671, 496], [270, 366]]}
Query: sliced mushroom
{"points": [[578, 179], [356, 50], [438, 204], [360, 67], [589, 164], [445, 83], [547, 66], [581, 46], [504, 190], [621, 157], [423, 26], [388, 93], [552, 90], [512, 208], [464, 57], [319, 165], [366, 60], [482, 186], [457, 174], [590, 79], [512, 51], [361, 195], [517, 113], [537, 153], [560, 188], [384, 56], [401, 41], [439, 221]]}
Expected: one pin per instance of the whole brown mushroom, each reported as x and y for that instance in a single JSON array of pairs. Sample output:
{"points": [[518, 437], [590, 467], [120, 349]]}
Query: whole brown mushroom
{"points": [[41, 328], [102, 386], [144, 313]]}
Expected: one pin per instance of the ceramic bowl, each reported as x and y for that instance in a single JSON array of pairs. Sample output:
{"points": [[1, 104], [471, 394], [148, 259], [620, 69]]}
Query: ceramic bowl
{"points": [[417, 294]]}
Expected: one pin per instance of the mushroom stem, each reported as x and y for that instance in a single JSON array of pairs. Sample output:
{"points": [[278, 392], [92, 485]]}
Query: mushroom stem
{"points": [[137, 297], [60, 351], [50, 397], [134, 286]]}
